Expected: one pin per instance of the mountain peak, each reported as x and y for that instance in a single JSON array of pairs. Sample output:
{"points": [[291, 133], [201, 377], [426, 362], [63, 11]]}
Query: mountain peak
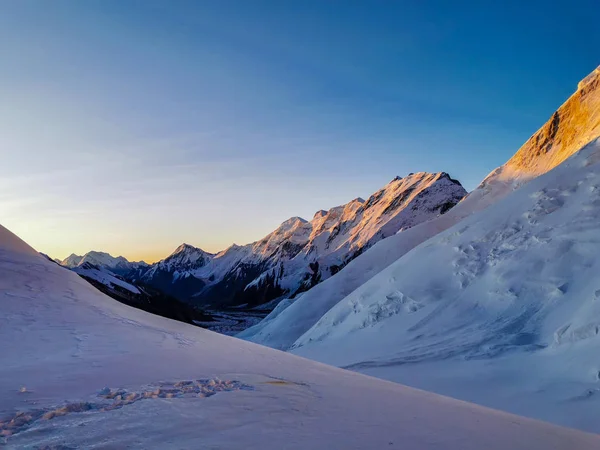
{"points": [[447, 176], [185, 247], [72, 260], [185, 256], [595, 74], [320, 213], [294, 219], [574, 124], [291, 223]]}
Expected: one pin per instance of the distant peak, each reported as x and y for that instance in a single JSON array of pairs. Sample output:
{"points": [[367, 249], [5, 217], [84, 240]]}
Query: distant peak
{"points": [[293, 220], [96, 254], [448, 177], [72, 260], [187, 248], [187, 251], [358, 200], [320, 213]]}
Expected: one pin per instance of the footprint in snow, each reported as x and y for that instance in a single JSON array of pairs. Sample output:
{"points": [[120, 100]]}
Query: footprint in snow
{"points": [[111, 399]]}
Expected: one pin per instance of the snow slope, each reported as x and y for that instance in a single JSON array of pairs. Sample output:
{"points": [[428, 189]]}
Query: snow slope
{"points": [[299, 254], [574, 124], [83, 370], [104, 276], [281, 332], [502, 309]]}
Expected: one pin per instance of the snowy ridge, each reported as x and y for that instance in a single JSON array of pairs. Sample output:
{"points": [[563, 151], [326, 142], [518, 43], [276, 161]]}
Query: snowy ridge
{"points": [[344, 232], [104, 276], [82, 369], [573, 125], [299, 254]]}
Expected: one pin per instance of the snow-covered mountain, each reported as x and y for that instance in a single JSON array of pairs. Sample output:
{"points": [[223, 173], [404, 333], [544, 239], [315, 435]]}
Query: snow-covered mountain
{"points": [[299, 254], [142, 297], [84, 371], [577, 124], [174, 275], [71, 261], [118, 264], [508, 297], [116, 277], [494, 302]]}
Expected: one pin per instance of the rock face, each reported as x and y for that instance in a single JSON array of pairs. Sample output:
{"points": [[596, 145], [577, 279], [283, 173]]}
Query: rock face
{"points": [[300, 254], [573, 125]]}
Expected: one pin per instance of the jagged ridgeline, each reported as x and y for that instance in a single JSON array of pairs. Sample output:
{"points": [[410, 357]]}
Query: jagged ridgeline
{"points": [[300, 254], [296, 256]]}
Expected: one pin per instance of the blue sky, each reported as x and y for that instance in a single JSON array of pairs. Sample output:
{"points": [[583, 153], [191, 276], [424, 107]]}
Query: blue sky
{"points": [[132, 126]]}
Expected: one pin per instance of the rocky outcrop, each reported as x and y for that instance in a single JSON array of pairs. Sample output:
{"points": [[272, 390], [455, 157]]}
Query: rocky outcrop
{"points": [[573, 125]]}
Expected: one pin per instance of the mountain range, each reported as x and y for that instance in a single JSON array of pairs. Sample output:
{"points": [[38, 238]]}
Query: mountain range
{"points": [[501, 291], [296, 256], [573, 125]]}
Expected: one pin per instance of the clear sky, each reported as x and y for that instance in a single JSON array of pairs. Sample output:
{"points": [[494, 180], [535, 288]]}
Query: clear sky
{"points": [[131, 126]]}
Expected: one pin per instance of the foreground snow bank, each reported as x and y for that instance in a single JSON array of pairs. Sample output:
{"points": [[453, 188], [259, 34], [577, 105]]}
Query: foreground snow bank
{"points": [[82, 370]]}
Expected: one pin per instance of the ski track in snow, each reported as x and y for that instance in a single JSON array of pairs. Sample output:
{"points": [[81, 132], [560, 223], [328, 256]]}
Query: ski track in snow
{"points": [[111, 399]]}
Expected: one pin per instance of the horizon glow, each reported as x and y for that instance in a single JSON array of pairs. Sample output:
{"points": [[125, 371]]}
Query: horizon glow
{"points": [[132, 127]]}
